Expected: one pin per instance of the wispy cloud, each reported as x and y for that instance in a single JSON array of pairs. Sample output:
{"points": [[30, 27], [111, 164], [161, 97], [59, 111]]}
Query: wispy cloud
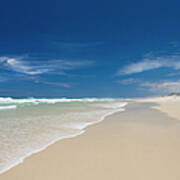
{"points": [[159, 87], [60, 84], [162, 87], [128, 81], [21, 66], [173, 74], [150, 64], [3, 79], [40, 67]]}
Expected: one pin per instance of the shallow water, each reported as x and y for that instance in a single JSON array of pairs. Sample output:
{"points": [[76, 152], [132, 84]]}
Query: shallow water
{"points": [[30, 125]]}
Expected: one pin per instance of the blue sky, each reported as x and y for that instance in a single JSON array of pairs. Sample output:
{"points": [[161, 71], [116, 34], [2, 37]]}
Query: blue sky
{"points": [[89, 48]]}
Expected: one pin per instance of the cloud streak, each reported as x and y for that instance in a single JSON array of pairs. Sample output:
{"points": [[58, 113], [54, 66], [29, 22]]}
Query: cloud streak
{"points": [[60, 84], [128, 81], [162, 87], [40, 67], [159, 87], [150, 64]]}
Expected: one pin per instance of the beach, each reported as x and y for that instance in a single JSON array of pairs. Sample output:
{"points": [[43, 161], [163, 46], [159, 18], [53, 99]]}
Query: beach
{"points": [[140, 143]]}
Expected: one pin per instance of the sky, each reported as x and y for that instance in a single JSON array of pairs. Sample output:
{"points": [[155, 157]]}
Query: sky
{"points": [[97, 48]]}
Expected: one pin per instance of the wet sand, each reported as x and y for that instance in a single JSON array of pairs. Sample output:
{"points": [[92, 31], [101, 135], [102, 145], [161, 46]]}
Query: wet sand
{"points": [[141, 143]]}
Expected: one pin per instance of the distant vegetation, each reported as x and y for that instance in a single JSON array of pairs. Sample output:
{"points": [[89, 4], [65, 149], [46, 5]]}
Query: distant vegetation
{"points": [[174, 94]]}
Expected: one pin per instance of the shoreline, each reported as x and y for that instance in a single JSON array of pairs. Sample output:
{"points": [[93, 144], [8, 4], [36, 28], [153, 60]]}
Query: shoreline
{"points": [[83, 130], [157, 133]]}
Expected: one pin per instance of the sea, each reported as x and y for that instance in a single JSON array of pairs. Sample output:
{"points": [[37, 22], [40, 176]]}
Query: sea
{"points": [[29, 125]]}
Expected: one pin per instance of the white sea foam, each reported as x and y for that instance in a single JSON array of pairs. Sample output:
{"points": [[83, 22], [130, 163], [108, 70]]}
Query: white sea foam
{"points": [[48, 127], [21, 160], [7, 107], [9, 100], [112, 105]]}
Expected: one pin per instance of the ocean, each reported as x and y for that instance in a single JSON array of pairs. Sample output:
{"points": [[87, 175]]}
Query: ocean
{"points": [[29, 125]]}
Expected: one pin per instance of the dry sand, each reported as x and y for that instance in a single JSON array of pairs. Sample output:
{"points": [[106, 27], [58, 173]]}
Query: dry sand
{"points": [[168, 104], [139, 144]]}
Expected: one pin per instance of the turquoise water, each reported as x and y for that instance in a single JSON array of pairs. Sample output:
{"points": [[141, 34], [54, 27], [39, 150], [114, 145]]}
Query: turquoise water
{"points": [[29, 125]]}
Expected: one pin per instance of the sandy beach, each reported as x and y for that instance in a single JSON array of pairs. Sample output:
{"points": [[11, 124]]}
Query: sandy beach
{"points": [[169, 105], [141, 143], [90, 90]]}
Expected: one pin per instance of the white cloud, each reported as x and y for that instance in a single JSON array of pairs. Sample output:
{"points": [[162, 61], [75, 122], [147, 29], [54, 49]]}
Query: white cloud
{"points": [[23, 67], [40, 67], [160, 87], [163, 87], [150, 64]]}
